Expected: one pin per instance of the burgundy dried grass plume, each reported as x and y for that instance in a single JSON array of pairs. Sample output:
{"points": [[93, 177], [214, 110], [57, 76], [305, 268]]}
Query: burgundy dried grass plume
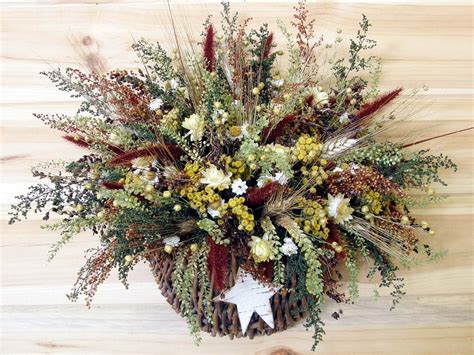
{"points": [[112, 185], [113, 148], [272, 133], [259, 195], [209, 48], [267, 46], [373, 106], [217, 261], [162, 152]]}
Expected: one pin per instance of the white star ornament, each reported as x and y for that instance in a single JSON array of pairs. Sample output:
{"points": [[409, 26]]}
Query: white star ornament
{"points": [[250, 295]]}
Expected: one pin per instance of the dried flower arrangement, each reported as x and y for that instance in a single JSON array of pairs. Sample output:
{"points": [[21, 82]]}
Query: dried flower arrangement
{"points": [[240, 185]]}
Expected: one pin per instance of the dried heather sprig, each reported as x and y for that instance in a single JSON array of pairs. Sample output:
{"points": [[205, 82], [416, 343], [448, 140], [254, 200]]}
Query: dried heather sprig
{"points": [[354, 183]]}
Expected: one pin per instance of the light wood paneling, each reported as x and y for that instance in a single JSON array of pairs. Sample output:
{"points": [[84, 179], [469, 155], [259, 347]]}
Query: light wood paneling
{"points": [[422, 42]]}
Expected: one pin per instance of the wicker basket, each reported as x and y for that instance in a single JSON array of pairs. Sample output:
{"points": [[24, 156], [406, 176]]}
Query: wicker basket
{"points": [[225, 316]]}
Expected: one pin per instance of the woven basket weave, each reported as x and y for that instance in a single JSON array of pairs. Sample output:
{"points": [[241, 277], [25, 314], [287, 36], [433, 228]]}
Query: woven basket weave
{"points": [[225, 315]]}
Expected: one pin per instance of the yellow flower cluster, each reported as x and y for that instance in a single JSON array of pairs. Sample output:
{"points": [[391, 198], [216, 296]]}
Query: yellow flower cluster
{"points": [[200, 199], [307, 149], [316, 174], [373, 202], [242, 212], [236, 167], [192, 169], [313, 218]]}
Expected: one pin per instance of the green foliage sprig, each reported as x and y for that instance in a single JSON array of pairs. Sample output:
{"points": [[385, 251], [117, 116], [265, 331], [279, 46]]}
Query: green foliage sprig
{"points": [[356, 62], [183, 277], [314, 281], [421, 169], [213, 229]]}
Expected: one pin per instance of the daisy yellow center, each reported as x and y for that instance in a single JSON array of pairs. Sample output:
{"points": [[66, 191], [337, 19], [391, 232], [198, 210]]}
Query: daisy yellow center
{"points": [[235, 131]]}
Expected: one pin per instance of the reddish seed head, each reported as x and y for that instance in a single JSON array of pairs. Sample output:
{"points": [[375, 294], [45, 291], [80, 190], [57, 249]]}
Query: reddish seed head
{"points": [[209, 48], [372, 107]]}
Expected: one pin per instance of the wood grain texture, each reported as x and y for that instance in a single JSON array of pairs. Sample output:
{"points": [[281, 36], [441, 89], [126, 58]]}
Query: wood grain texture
{"points": [[422, 42]]}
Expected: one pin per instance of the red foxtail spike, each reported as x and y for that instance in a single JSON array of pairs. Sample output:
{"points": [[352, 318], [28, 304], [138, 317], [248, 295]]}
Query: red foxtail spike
{"points": [[162, 152], [272, 133], [267, 46], [209, 48], [259, 195], [217, 262], [112, 185], [373, 106]]}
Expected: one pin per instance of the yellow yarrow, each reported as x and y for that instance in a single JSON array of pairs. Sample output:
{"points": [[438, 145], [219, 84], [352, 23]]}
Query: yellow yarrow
{"points": [[373, 201], [236, 167], [313, 219], [307, 149], [244, 214]]}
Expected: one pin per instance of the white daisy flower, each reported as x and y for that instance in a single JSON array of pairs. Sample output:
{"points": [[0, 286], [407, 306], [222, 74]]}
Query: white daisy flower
{"points": [[239, 132], [320, 98], [338, 208], [289, 247], [245, 132], [239, 187], [280, 178], [155, 104]]}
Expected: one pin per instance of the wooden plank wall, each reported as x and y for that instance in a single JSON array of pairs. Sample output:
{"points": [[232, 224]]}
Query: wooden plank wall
{"points": [[422, 42]]}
